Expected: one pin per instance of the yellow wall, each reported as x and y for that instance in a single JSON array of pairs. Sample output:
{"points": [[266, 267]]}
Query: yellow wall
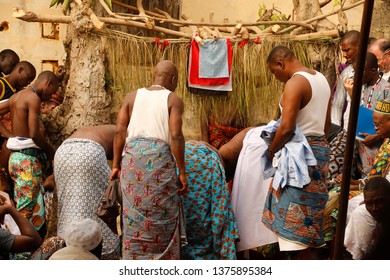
{"points": [[247, 10], [25, 37]]}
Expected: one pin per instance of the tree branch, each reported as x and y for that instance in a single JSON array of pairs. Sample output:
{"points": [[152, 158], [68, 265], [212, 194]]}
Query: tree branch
{"points": [[323, 16]]}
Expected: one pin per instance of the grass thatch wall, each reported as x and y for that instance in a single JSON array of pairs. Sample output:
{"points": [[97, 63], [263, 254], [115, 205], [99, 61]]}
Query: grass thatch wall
{"points": [[255, 95]]}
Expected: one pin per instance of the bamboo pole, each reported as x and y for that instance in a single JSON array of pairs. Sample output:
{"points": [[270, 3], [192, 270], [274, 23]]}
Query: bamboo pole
{"points": [[353, 117]]}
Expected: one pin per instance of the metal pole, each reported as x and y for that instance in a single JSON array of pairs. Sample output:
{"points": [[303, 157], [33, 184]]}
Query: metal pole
{"points": [[353, 117]]}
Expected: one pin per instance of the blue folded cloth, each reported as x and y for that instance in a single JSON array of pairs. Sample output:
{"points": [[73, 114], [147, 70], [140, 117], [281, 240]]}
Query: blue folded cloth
{"points": [[290, 164], [213, 59]]}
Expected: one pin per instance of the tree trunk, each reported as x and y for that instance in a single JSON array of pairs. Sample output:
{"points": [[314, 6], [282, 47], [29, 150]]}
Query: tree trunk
{"points": [[325, 56], [86, 101]]}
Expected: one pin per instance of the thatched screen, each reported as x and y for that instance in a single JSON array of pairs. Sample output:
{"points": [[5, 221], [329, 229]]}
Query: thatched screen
{"points": [[256, 93]]}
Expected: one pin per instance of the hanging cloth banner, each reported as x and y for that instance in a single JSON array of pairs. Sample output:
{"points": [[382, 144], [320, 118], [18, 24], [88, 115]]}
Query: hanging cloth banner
{"points": [[194, 64]]}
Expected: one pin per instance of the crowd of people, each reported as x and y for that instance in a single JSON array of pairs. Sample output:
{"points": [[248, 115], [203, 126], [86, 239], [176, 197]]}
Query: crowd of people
{"points": [[176, 201]]}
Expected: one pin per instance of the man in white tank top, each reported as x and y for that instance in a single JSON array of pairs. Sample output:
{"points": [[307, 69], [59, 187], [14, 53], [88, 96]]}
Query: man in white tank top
{"points": [[294, 214], [149, 131]]}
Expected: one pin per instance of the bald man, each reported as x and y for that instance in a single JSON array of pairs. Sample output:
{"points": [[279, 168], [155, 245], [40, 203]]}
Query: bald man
{"points": [[149, 133], [381, 48]]}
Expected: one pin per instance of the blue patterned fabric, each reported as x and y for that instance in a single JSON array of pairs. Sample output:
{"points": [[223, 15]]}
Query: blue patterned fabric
{"points": [[213, 59], [153, 225], [210, 224], [296, 214]]}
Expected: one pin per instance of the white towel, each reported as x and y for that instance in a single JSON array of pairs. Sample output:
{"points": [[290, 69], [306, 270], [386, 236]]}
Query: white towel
{"points": [[18, 143]]}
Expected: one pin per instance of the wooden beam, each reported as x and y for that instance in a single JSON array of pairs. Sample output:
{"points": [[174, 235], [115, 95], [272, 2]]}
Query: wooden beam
{"points": [[33, 17]]}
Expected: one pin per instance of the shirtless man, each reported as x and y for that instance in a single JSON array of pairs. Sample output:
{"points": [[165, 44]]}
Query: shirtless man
{"points": [[28, 146], [22, 75]]}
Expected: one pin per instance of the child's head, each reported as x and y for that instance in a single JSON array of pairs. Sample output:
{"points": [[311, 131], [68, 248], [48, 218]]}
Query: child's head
{"points": [[8, 60]]}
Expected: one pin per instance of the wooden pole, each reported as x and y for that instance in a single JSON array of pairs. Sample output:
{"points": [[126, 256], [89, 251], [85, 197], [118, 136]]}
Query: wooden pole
{"points": [[353, 117]]}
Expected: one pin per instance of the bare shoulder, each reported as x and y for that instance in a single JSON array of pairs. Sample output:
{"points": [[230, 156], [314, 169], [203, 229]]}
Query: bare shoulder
{"points": [[297, 85], [175, 100]]}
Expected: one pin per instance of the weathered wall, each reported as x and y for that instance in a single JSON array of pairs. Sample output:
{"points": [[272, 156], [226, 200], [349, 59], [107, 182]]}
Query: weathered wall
{"points": [[380, 26], [25, 38]]}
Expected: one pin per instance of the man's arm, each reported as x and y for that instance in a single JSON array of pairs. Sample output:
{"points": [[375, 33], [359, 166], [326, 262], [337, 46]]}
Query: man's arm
{"points": [[178, 142], [291, 102], [35, 134], [29, 239], [122, 121]]}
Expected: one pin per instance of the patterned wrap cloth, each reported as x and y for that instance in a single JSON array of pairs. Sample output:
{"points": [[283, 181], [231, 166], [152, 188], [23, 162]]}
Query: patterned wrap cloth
{"points": [[81, 173], [153, 221], [297, 214], [210, 223], [26, 172]]}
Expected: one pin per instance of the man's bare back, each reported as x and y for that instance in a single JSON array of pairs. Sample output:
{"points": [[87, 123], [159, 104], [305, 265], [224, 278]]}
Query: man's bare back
{"points": [[102, 134]]}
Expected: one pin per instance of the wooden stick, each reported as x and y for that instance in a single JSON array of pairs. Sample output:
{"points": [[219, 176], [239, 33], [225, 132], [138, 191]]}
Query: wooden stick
{"points": [[323, 16], [132, 8]]}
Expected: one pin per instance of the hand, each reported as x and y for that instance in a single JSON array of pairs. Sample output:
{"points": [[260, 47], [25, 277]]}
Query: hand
{"points": [[339, 178], [183, 184], [114, 173], [348, 84], [60, 73], [49, 184], [370, 139]]}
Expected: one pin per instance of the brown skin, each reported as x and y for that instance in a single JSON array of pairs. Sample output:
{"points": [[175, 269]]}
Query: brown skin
{"points": [[7, 63], [29, 240], [166, 76], [377, 203], [350, 50], [297, 94], [25, 107], [231, 151], [102, 134]]}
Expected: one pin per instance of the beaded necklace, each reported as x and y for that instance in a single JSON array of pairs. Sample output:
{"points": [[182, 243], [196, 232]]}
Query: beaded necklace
{"points": [[369, 99]]}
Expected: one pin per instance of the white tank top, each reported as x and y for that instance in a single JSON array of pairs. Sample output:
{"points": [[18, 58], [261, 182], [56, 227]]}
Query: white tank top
{"points": [[150, 115], [311, 119]]}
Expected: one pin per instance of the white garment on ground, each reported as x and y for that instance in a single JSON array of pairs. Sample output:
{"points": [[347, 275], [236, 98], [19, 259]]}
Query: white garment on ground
{"points": [[359, 232], [250, 190], [18, 143], [150, 118]]}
